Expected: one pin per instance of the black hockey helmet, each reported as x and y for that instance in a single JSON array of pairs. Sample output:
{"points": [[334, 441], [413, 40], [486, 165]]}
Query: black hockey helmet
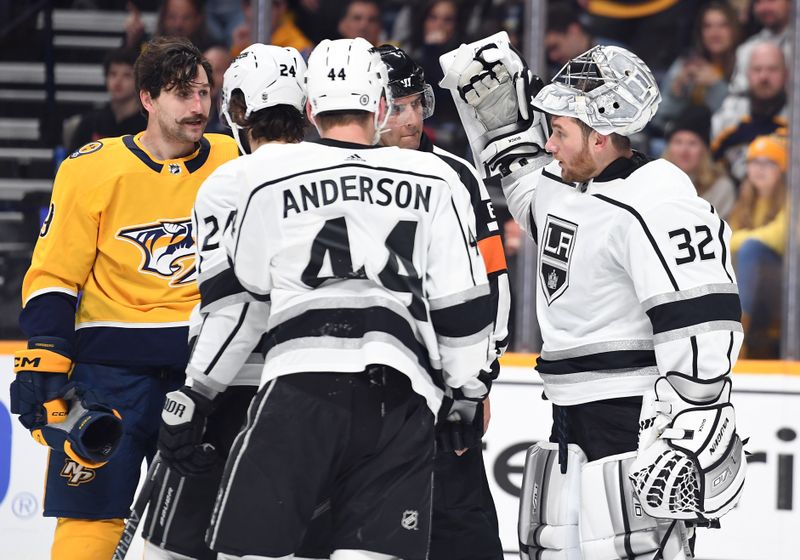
{"points": [[406, 77]]}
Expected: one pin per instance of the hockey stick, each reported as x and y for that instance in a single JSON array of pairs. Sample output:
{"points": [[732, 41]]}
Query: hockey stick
{"points": [[137, 511]]}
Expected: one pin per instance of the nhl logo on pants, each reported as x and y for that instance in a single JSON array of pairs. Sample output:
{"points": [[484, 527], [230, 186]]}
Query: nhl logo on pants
{"points": [[556, 249], [410, 520]]}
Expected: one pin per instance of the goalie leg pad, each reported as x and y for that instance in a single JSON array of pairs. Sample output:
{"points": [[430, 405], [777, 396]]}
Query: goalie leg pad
{"points": [[550, 503], [613, 524]]}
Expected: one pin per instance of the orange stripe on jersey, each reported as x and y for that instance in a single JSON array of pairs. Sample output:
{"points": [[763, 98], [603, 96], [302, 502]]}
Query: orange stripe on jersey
{"points": [[494, 257]]}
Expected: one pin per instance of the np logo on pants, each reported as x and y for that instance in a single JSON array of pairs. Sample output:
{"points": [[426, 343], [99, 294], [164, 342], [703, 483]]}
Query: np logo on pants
{"points": [[558, 240]]}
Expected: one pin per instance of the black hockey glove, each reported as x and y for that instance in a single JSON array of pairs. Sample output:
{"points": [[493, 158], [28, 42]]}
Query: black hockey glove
{"points": [[461, 427], [183, 424]]}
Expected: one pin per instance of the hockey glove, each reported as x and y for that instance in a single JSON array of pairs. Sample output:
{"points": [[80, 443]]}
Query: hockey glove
{"points": [[493, 79], [691, 462], [42, 370], [461, 427], [180, 439], [82, 426]]}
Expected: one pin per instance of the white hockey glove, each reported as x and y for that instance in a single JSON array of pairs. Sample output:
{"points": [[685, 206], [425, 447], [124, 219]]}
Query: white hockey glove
{"points": [[183, 424], [492, 87], [691, 462]]}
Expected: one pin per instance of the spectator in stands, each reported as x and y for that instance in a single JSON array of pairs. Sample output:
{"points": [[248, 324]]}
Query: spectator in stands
{"points": [[761, 111], [284, 31], [653, 29], [760, 227], [687, 147], [565, 36], [219, 56], [176, 18], [362, 18], [701, 76], [438, 34], [773, 15], [121, 115], [222, 18]]}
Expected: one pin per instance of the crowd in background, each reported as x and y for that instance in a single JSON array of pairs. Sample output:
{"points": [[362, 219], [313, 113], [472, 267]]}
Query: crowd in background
{"points": [[722, 67]]}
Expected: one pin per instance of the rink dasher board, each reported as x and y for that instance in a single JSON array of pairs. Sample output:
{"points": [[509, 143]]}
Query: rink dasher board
{"points": [[764, 525]]}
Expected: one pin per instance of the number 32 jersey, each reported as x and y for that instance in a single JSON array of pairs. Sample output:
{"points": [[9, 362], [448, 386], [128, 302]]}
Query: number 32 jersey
{"points": [[367, 255], [634, 279]]}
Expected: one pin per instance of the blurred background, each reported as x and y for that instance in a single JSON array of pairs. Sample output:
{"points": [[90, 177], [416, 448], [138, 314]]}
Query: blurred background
{"points": [[724, 67]]}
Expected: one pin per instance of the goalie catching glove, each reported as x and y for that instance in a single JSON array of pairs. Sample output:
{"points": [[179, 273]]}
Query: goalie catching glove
{"points": [[180, 439], [60, 414], [493, 87], [691, 462]]}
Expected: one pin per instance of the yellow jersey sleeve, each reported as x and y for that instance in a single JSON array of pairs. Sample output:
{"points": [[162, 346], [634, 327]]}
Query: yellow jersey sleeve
{"points": [[65, 250]]}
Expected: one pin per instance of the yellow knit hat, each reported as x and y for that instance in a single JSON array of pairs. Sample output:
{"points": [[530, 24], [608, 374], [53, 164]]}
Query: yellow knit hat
{"points": [[771, 147]]}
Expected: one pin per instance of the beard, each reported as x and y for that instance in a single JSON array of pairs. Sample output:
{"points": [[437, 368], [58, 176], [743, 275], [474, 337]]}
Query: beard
{"points": [[581, 169]]}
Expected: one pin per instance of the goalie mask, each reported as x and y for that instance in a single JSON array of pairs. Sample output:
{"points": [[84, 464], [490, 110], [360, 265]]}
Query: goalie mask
{"points": [[610, 89], [347, 75], [267, 76], [406, 77]]}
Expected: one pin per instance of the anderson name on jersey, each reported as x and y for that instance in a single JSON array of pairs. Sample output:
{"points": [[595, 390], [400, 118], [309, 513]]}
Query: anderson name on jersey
{"points": [[635, 279], [355, 276], [118, 243]]}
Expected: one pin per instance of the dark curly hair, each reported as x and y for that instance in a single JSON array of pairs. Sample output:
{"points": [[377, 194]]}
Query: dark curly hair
{"points": [[277, 123], [168, 63]]}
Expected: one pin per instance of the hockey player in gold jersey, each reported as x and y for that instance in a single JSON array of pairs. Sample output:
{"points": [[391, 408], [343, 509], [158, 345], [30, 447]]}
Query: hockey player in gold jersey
{"points": [[107, 298]]}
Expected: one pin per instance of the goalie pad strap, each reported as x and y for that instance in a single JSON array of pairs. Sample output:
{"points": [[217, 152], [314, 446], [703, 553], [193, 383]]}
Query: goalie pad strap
{"points": [[613, 523], [550, 504]]}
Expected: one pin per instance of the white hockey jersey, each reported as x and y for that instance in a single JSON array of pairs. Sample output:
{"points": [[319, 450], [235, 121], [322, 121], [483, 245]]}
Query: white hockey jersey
{"points": [[365, 256], [634, 279], [224, 347]]}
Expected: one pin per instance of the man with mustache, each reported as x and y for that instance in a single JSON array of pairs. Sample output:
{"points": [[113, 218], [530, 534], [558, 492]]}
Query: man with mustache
{"points": [[107, 298], [464, 528], [760, 111]]}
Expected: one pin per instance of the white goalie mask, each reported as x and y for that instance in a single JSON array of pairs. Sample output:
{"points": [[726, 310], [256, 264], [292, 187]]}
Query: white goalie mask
{"points": [[267, 76], [347, 75], [610, 89]]}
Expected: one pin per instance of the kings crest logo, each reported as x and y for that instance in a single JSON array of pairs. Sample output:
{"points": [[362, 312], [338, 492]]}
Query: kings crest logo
{"points": [[167, 247], [558, 241]]}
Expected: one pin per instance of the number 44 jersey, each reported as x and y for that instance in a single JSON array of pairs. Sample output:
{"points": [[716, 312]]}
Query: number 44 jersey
{"points": [[367, 255], [634, 279]]}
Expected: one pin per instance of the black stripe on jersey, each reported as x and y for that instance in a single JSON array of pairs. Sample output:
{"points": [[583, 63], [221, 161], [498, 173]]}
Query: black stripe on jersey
{"points": [[534, 232], [620, 359], [730, 349], [463, 319], [646, 232], [556, 178], [695, 356], [695, 311], [721, 233], [197, 161], [320, 169], [220, 286], [228, 340], [465, 240], [141, 154], [351, 323]]}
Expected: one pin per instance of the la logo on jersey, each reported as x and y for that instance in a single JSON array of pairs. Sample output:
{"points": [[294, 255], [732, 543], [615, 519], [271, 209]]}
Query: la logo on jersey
{"points": [[76, 474], [167, 247], [558, 241]]}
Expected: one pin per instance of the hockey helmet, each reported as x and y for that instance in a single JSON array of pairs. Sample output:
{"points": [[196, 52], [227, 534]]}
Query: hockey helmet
{"points": [[610, 89], [267, 76], [406, 77]]}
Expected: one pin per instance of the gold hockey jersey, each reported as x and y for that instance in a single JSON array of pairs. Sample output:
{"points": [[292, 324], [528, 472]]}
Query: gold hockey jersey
{"points": [[118, 238]]}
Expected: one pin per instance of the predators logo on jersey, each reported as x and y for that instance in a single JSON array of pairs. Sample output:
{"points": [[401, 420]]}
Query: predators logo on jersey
{"points": [[76, 474], [167, 247]]}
